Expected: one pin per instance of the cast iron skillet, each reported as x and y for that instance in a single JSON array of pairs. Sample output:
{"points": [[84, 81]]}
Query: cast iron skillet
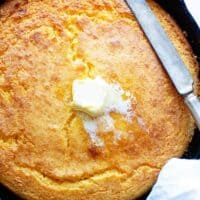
{"points": [[179, 12]]}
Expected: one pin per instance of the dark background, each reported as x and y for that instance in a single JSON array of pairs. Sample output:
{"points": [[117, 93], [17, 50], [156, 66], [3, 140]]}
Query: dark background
{"points": [[178, 10]]}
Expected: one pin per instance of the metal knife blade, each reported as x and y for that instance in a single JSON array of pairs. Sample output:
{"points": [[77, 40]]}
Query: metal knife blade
{"points": [[167, 54], [164, 48]]}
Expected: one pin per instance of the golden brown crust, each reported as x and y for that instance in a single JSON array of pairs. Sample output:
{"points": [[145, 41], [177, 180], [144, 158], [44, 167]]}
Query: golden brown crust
{"points": [[45, 152]]}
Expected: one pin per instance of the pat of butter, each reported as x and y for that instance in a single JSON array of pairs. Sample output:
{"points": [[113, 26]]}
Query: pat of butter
{"points": [[89, 96]]}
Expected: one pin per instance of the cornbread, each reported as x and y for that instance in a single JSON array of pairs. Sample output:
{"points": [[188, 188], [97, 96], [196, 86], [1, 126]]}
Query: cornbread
{"points": [[45, 150]]}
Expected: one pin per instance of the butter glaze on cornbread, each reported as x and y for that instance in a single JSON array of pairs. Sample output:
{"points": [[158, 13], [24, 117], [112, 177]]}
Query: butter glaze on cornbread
{"points": [[45, 153]]}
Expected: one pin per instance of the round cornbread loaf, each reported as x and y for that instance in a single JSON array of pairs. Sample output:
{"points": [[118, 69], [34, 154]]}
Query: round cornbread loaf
{"points": [[45, 152]]}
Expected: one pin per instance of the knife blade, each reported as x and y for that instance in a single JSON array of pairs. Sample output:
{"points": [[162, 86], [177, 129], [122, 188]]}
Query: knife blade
{"points": [[167, 53]]}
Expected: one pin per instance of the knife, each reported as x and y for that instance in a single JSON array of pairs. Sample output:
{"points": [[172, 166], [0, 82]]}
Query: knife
{"points": [[167, 54]]}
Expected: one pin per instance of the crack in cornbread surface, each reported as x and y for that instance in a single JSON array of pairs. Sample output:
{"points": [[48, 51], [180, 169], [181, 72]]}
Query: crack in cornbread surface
{"points": [[45, 153]]}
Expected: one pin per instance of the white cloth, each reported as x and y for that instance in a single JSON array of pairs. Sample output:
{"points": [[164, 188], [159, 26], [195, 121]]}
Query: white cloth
{"points": [[178, 180], [194, 8]]}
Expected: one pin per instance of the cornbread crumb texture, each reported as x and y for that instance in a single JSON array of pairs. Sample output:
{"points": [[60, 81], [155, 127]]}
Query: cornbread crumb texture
{"points": [[45, 152]]}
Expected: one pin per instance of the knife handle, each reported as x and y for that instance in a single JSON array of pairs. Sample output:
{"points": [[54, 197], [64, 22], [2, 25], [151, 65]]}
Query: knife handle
{"points": [[193, 104]]}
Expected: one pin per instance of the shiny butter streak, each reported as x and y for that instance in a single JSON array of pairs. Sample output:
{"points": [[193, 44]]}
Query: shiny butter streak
{"points": [[96, 99]]}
